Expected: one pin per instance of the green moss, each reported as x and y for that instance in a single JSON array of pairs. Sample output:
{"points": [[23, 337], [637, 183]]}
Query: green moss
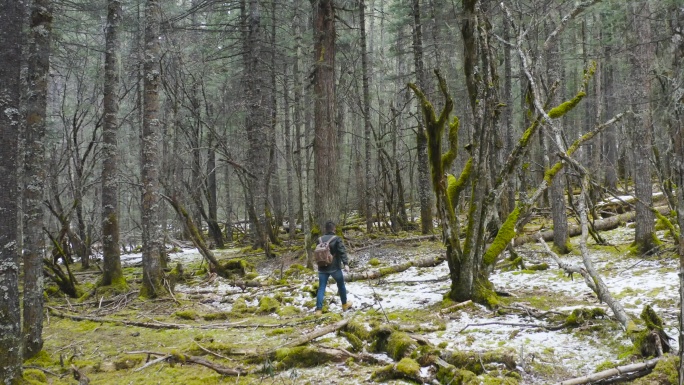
{"points": [[300, 357], [268, 305], [41, 359], [354, 341], [288, 311], [475, 362], [408, 367], [605, 366], [541, 266], [240, 307], [503, 238], [484, 293], [358, 329], [580, 316], [565, 107], [34, 377], [454, 376], [664, 373], [186, 314], [399, 344], [219, 316], [279, 331], [374, 262], [550, 173], [651, 318]]}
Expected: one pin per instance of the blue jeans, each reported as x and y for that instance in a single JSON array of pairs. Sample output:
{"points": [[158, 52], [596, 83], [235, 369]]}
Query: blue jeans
{"points": [[323, 282]]}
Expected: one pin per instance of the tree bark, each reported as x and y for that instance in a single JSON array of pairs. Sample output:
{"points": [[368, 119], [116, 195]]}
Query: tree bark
{"points": [[152, 271], [326, 178], [644, 234], [10, 323], [112, 273], [34, 174], [424, 191], [368, 173]]}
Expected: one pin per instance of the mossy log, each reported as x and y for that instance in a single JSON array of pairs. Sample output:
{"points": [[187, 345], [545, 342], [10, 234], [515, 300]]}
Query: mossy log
{"points": [[378, 273], [599, 225], [642, 368], [309, 356], [406, 369], [397, 240]]}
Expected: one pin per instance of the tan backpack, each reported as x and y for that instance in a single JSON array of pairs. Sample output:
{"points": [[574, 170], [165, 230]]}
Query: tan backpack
{"points": [[322, 255]]}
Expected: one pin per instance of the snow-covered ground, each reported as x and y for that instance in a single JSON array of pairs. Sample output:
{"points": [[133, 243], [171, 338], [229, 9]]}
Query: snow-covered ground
{"points": [[634, 281]]}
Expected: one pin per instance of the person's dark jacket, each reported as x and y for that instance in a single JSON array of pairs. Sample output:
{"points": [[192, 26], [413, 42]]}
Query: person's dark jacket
{"points": [[339, 254]]}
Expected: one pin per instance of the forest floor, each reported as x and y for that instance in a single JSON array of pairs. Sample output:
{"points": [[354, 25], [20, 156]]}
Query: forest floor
{"points": [[536, 335]]}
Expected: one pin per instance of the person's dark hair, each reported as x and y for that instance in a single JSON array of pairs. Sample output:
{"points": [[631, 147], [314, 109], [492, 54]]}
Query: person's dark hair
{"points": [[329, 226]]}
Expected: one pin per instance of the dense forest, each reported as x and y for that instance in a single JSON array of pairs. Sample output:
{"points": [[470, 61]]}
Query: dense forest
{"points": [[475, 131]]}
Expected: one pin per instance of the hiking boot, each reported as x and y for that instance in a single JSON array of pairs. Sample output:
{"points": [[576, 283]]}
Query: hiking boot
{"points": [[346, 306], [319, 312]]}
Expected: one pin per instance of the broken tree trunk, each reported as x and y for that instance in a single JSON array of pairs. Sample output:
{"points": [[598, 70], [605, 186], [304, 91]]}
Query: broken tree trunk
{"points": [[196, 237], [599, 225], [378, 273]]}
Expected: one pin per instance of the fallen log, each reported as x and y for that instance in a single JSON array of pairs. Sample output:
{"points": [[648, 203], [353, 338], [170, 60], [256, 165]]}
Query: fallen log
{"points": [[312, 336], [397, 240], [643, 367], [379, 273], [575, 230]]}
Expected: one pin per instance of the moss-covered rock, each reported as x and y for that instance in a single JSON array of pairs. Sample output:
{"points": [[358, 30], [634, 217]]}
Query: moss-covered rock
{"points": [[406, 369], [399, 344], [34, 377], [299, 357], [580, 316], [455, 376], [268, 305]]}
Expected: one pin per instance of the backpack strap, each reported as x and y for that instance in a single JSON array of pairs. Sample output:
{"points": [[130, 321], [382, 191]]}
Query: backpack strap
{"points": [[320, 240]]}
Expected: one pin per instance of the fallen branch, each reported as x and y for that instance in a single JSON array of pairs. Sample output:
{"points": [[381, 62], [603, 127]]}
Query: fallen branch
{"points": [[80, 376], [183, 359], [644, 367], [378, 273], [311, 336], [454, 307]]}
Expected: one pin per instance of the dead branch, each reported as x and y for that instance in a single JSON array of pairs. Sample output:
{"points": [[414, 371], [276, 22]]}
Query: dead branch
{"points": [[183, 359], [643, 367], [311, 336], [80, 376], [454, 307]]}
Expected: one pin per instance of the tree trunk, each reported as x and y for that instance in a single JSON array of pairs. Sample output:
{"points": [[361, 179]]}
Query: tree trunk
{"points": [[10, 322], [151, 254], [424, 191], [644, 237], [326, 178], [368, 173], [34, 174], [257, 125], [212, 198], [112, 273], [289, 169]]}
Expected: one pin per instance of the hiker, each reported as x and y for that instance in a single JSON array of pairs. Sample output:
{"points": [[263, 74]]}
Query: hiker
{"points": [[334, 269]]}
